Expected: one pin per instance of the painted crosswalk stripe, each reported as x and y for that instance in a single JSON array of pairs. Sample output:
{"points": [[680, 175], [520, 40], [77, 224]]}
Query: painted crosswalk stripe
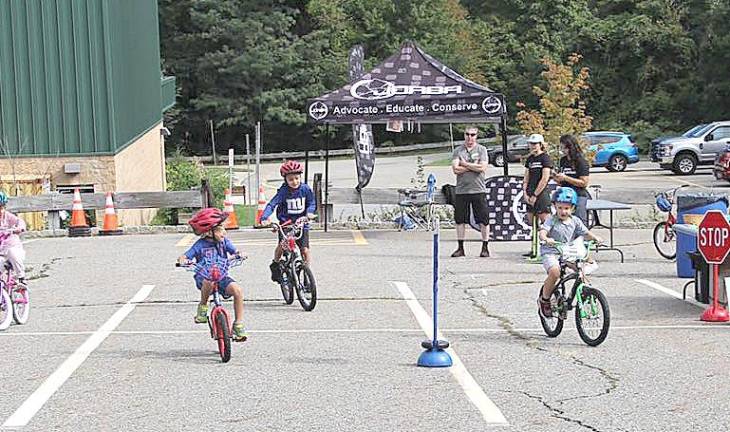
{"points": [[359, 238]]}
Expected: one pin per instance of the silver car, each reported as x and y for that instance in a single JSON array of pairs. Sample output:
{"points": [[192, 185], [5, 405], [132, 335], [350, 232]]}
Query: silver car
{"points": [[698, 146]]}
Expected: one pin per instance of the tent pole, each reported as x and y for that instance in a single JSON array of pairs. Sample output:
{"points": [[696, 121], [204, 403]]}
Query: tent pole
{"points": [[451, 134], [326, 175], [362, 207], [503, 127], [306, 166]]}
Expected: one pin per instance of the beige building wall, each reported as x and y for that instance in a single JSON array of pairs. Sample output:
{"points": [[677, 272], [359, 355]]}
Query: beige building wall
{"points": [[138, 168], [141, 168]]}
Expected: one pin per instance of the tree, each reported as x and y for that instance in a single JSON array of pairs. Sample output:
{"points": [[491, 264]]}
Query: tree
{"points": [[562, 110]]}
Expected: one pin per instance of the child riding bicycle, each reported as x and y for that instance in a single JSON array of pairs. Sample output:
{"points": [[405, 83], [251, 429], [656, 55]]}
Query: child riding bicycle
{"points": [[11, 249], [212, 245], [562, 227], [292, 201]]}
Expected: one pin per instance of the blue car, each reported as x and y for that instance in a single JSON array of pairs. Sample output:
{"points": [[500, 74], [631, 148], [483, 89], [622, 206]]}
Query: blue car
{"points": [[614, 150]]}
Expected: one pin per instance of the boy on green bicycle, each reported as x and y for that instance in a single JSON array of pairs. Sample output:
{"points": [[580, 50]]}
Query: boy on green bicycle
{"points": [[562, 227]]}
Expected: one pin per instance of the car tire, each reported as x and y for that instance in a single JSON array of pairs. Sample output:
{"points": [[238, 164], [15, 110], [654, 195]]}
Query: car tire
{"points": [[498, 160], [617, 163], [684, 164]]}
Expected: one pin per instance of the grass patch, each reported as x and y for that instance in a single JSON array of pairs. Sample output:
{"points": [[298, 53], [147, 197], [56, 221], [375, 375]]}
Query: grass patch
{"points": [[440, 162], [246, 214]]}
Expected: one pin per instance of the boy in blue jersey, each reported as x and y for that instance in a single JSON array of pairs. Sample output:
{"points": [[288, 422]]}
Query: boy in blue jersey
{"points": [[213, 244], [292, 201]]}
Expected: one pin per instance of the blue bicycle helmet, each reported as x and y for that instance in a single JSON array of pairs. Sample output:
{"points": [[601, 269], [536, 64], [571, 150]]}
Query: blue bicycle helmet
{"points": [[565, 195], [3, 198], [663, 203]]}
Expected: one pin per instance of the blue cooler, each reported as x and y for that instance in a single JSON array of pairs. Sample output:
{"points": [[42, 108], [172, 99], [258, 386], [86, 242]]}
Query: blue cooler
{"points": [[699, 204], [686, 243]]}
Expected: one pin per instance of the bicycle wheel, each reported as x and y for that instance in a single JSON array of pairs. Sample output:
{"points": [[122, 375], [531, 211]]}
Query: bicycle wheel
{"points": [[306, 288], [665, 241], [286, 288], [593, 318], [6, 309], [224, 336], [21, 304], [553, 325]]}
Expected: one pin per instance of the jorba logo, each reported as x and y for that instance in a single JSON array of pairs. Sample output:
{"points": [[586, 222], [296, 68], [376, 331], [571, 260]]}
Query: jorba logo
{"points": [[492, 105], [318, 110], [376, 89]]}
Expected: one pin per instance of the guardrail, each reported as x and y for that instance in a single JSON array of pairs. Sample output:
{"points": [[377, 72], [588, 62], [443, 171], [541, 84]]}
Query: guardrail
{"points": [[319, 154]]}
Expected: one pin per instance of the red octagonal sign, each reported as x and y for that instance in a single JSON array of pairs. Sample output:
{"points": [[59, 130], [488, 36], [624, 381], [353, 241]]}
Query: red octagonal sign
{"points": [[713, 238]]}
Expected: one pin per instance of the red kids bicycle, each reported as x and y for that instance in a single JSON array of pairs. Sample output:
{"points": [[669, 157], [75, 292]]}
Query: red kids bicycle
{"points": [[219, 320]]}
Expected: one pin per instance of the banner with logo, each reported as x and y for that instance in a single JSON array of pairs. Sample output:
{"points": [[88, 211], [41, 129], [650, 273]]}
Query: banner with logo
{"points": [[507, 211], [362, 134], [408, 86]]}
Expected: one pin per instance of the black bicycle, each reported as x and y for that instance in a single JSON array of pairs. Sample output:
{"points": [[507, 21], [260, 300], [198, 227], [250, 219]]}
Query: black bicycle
{"points": [[592, 315], [295, 273]]}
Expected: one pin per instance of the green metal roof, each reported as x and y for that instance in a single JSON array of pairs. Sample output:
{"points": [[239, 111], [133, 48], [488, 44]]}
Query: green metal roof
{"points": [[79, 76]]}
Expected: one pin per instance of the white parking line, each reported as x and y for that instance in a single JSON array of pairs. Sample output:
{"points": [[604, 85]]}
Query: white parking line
{"points": [[671, 292], [489, 411], [35, 401]]}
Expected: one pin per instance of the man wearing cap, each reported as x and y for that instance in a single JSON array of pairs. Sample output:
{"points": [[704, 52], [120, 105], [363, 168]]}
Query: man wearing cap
{"points": [[469, 163]]}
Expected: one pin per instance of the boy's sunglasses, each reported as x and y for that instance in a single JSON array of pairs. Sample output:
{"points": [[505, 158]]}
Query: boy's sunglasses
{"points": [[470, 134]]}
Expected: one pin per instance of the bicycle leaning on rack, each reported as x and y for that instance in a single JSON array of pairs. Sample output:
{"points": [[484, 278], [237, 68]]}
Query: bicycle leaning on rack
{"points": [[592, 315], [665, 239]]}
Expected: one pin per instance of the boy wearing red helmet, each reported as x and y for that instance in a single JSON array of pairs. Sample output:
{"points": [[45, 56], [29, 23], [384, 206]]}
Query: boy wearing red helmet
{"points": [[212, 244], [292, 201]]}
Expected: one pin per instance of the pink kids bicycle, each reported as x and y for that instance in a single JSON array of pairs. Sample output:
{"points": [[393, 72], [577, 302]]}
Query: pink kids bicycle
{"points": [[14, 297]]}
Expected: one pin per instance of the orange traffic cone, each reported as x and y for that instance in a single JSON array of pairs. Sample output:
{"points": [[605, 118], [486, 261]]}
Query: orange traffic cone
{"points": [[262, 204], [232, 221], [111, 227], [78, 226]]}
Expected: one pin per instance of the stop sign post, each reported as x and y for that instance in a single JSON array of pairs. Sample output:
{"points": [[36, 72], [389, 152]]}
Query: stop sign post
{"points": [[713, 242]]}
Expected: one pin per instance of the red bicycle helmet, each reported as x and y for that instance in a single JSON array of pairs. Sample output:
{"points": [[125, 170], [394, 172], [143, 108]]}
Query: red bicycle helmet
{"points": [[207, 219], [290, 167]]}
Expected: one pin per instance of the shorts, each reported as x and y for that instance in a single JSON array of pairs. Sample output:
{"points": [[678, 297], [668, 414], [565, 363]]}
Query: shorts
{"points": [[549, 261], [222, 285], [542, 204], [478, 204]]}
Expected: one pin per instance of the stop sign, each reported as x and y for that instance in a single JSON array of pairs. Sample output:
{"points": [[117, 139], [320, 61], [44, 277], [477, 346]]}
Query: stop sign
{"points": [[713, 238]]}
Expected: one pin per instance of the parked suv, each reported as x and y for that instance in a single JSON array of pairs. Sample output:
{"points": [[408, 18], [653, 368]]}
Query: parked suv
{"points": [[614, 150], [698, 146]]}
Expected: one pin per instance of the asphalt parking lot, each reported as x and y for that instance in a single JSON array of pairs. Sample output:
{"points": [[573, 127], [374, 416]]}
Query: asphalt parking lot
{"points": [[111, 343]]}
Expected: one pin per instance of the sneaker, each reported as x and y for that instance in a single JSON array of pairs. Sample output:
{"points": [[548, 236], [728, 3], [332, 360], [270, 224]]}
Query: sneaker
{"points": [[202, 316], [485, 252], [458, 253], [239, 332], [275, 271], [546, 308]]}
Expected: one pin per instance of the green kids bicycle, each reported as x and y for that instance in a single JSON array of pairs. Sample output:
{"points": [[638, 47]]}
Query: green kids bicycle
{"points": [[592, 315]]}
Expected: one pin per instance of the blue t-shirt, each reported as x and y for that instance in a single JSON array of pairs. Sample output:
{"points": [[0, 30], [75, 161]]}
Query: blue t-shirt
{"points": [[291, 204], [207, 248]]}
